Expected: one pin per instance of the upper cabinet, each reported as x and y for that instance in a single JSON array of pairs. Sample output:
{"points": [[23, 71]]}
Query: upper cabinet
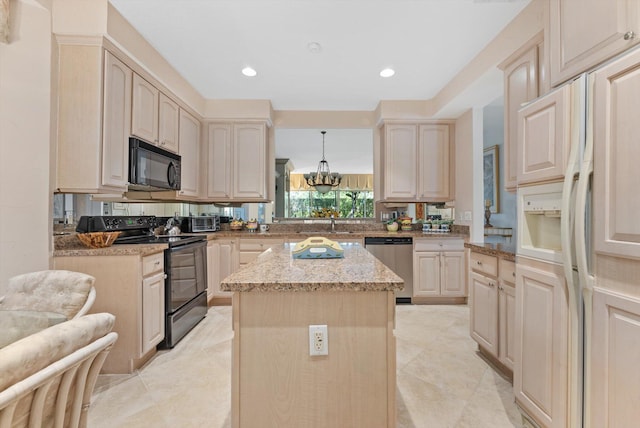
{"points": [[155, 116], [544, 137], [93, 130], [240, 162], [521, 85], [584, 33], [189, 137], [417, 162]]}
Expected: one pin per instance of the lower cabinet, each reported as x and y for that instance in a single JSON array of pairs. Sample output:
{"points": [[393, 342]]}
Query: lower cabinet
{"points": [[615, 378], [438, 271], [492, 303], [540, 378], [222, 261], [131, 287], [251, 248]]}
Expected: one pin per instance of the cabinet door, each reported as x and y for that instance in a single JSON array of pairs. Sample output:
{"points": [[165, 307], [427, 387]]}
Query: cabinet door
{"points": [[584, 33], [189, 145], [116, 123], [426, 274], [213, 269], [168, 124], [249, 161], [453, 274], [219, 162], [616, 176], [540, 369], [144, 116], [228, 264], [615, 380], [399, 157], [434, 163], [506, 323], [484, 311], [520, 86], [152, 311], [544, 137]]}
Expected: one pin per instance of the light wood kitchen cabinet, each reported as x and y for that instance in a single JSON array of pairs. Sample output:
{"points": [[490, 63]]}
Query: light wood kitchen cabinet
{"points": [[222, 261], [541, 351], [492, 303], [521, 84], [400, 167], [251, 248], [438, 271], [94, 120], [506, 312], [585, 33], [614, 359], [240, 162], [544, 137], [435, 153], [152, 301], [417, 162], [189, 137], [154, 115], [131, 287], [616, 200]]}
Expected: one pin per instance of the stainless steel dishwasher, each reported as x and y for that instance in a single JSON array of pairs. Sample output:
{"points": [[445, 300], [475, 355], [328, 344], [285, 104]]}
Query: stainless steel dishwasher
{"points": [[397, 254]]}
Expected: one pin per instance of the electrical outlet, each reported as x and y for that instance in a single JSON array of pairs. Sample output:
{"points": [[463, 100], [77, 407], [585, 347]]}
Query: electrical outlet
{"points": [[318, 340], [467, 215]]}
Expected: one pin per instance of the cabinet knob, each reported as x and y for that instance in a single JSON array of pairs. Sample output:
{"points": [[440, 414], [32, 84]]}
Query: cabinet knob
{"points": [[157, 263], [629, 35], [513, 274], [478, 262]]}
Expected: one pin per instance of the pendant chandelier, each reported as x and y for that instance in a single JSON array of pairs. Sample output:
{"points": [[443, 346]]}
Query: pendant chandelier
{"points": [[323, 179]]}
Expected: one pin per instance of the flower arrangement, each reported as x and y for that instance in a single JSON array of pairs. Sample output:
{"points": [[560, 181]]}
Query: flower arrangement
{"points": [[392, 225], [236, 224], [325, 212]]}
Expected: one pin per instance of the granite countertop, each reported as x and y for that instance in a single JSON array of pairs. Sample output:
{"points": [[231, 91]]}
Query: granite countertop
{"points": [[69, 246], [505, 251], [335, 236], [277, 270]]}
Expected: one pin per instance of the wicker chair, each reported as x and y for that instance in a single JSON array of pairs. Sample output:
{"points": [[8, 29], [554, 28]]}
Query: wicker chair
{"points": [[47, 378], [61, 291]]}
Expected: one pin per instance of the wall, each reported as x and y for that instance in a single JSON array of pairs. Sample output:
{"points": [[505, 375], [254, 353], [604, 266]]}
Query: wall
{"points": [[493, 134], [25, 112], [469, 208]]}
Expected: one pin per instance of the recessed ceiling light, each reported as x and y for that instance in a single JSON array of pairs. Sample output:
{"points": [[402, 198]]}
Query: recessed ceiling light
{"points": [[249, 72], [387, 72], [314, 47]]}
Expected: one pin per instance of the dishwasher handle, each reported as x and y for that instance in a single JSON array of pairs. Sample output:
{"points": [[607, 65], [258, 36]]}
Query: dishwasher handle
{"points": [[388, 241]]}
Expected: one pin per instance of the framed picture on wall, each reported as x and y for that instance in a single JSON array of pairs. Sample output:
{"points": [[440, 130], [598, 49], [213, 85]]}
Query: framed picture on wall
{"points": [[490, 166]]}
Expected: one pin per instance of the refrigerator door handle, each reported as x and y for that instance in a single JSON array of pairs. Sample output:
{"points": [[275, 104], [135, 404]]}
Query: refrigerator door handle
{"points": [[567, 218]]}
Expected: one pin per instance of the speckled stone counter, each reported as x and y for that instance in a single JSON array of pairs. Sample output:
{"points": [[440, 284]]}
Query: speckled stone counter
{"points": [[70, 246], [276, 270], [507, 252]]}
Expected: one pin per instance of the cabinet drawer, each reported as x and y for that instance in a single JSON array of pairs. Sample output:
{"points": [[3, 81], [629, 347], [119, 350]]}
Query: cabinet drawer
{"points": [[484, 264], [438, 244], [152, 264], [259, 244], [507, 271]]}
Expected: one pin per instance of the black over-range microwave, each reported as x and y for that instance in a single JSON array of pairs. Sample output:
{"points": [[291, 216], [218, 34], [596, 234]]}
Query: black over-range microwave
{"points": [[152, 168]]}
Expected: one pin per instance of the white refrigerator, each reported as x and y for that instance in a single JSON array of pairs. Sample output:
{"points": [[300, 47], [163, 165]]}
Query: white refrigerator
{"points": [[578, 265]]}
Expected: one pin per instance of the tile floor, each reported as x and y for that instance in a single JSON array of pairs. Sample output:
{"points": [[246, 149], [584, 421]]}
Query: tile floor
{"points": [[441, 380]]}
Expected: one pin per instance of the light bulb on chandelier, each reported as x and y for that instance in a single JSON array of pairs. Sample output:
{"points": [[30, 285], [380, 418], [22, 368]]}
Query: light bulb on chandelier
{"points": [[323, 179]]}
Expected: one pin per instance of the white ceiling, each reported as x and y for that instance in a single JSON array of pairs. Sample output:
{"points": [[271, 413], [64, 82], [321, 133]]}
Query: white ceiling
{"points": [[427, 42]]}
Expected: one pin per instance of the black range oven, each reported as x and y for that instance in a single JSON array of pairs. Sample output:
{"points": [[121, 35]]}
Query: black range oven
{"points": [[185, 266]]}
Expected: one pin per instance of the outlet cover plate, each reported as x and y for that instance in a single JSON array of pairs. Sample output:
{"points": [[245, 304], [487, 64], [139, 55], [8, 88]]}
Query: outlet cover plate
{"points": [[318, 340]]}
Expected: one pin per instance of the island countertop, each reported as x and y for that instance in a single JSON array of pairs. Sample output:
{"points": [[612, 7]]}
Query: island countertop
{"points": [[277, 270]]}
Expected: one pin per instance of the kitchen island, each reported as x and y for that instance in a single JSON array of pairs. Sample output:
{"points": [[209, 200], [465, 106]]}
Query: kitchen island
{"points": [[275, 381]]}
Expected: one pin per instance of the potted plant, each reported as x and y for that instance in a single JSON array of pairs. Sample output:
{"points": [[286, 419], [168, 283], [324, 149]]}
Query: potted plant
{"points": [[392, 225]]}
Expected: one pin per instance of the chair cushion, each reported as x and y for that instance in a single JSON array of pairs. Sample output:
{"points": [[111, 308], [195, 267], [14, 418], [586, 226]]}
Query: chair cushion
{"points": [[58, 291], [33, 353]]}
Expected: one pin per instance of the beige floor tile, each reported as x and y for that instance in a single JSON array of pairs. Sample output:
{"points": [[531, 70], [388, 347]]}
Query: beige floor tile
{"points": [[441, 381]]}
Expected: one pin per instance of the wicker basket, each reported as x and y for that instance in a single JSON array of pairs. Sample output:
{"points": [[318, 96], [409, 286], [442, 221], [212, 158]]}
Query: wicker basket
{"points": [[236, 226], [98, 239]]}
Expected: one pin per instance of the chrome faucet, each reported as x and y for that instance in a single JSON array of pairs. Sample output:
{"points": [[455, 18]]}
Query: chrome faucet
{"points": [[333, 223]]}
